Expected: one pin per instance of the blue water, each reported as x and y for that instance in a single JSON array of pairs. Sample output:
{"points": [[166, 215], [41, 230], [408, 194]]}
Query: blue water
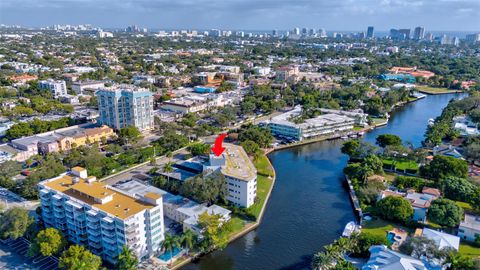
{"points": [[166, 256], [309, 206]]}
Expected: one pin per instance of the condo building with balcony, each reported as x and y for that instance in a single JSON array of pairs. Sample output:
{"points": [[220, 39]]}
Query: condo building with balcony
{"points": [[100, 217], [125, 106], [239, 172]]}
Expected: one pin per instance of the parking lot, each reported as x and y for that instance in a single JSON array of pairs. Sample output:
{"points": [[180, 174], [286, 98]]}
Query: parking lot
{"points": [[13, 256]]}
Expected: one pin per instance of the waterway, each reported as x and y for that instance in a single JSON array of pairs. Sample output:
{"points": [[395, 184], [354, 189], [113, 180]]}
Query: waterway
{"points": [[309, 206]]}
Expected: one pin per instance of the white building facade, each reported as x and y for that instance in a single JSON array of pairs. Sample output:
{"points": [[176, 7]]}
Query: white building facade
{"points": [[469, 228], [102, 218], [57, 88]]}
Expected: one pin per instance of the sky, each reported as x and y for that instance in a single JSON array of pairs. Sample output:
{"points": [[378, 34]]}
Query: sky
{"points": [[446, 15]]}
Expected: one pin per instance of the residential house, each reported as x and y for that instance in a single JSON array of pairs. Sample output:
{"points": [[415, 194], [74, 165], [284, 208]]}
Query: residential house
{"points": [[469, 228]]}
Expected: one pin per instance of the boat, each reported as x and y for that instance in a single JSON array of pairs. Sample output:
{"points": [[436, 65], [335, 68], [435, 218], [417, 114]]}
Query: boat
{"points": [[344, 137], [354, 136], [350, 228], [431, 122]]}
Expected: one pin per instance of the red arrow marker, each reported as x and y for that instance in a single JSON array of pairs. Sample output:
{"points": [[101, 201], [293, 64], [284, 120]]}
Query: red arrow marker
{"points": [[217, 148]]}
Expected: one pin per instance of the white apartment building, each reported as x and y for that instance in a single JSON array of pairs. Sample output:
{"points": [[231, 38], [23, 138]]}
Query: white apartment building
{"points": [[240, 174], [176, 207], [330, 122], [469, 228], [56, 87], [125, 106], [100, 217], [82, 87]]}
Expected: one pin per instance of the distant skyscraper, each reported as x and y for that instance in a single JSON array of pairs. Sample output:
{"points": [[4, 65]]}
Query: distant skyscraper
{"points": [[473, 38], [419, 33], [296, 31], [429, 36], [304, 31], [275, 33], [406, 32], [312, 32], [370, 32], [322, 33]]}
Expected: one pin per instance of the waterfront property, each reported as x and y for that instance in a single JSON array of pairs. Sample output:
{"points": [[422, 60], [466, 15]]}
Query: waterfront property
{"points": [[126, 106], [329, 122], [176, 207], [419, 201], [383, 258], [240, 174], [101, 217], [406, 78]]}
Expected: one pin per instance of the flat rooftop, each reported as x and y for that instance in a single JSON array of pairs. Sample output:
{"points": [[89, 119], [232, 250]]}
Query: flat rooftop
{"points": [[237, 163], [121, 205], [471, 221]]}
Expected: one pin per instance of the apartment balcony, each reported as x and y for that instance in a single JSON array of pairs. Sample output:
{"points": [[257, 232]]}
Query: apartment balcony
{"points": [[59, 215], [107, 226], [109, 242], [132, 229], [94, 226], [94, 239]]}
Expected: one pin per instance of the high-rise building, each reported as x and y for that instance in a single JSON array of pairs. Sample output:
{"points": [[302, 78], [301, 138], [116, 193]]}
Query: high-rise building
{"points": [[275, 33], [100, 217], [304, 31], [370, 32], [322, 32], [473, 38], [296, 31], [419, 33], [126, 106], [312, 32], [406, 32], [400, 34], [57, 88]]}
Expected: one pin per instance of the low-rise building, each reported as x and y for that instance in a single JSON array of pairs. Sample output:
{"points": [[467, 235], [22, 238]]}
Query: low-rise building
{"points": [[176, 207], [87, 86], [289, 124], [383, 258], [100, 217], [442, 240], [469, 228], [240, 174], [59, 140], [465, 126]]}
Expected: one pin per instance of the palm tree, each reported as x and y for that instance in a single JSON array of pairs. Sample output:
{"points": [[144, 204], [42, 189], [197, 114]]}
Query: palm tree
{"points": [[168, 168], [169, 243], [188, 240], [322, 261], [127, 260]]}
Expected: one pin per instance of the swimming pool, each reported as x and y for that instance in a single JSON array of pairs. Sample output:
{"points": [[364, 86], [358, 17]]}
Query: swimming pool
{"points": [[390, 237], [166, 256]]}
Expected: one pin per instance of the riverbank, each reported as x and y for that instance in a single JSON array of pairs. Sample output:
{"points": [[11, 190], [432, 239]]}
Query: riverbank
{"points": [[436, 90], [265, 181]]}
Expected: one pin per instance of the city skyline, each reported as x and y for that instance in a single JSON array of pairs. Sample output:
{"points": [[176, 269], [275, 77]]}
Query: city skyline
{"points": [[345, 15]]}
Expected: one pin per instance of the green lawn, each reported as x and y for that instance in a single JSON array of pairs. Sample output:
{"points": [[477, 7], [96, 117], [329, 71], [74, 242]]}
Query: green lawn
{"points": [[401, 164], [469, 249], [434, 90], [237, 225], [264, 184], [381, 227], [377, 121], [263, 166]]}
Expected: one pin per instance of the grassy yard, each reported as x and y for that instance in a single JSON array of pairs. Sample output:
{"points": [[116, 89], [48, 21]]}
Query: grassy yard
{"points": [[377, 121], [263, 166], [401, 164], [237, 225], [381, 227], [469, 249], [264, 184], [435, 90]]}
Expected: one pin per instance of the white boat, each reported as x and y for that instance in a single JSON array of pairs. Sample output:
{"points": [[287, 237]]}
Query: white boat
{"points": [[344, 137], [431, 122], [350, 228]]}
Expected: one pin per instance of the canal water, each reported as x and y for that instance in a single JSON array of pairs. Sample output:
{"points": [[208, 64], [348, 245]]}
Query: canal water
{"points": [[309, 206]]}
